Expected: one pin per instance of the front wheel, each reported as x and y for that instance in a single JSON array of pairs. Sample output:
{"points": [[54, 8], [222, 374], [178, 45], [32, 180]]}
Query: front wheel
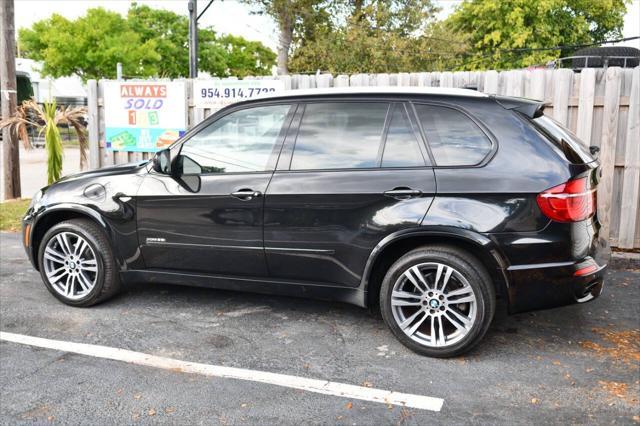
{"points": [[77, 264], [438, 300]]}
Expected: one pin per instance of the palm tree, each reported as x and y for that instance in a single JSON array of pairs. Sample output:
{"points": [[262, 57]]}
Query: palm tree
{"points": [[46, 119]]}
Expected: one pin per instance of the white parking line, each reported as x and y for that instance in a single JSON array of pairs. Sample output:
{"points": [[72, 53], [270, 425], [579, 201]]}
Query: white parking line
{"points": [[311, 385]]}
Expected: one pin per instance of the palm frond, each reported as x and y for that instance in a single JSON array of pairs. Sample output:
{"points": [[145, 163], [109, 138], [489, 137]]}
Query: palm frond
{"points": [[19, 123], [53, 142], [74, 116], [46, 119]]}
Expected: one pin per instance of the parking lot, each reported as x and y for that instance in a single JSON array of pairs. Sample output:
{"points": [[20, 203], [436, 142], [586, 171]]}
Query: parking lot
{"points": [[577, 364]]}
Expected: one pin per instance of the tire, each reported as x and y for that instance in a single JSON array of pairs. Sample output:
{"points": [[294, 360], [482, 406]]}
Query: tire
{"points": [[89, 271], [464, 307]]}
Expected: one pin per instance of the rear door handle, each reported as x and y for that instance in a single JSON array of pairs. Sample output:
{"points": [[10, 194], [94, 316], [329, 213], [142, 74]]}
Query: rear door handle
{"points": [[403, 193], [246, 194]]}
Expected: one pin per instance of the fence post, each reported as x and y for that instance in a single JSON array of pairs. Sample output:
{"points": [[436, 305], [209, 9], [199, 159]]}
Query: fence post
{"points": [[286, 80], [631, 176], [424, 79], [94, 129], [460, 79], [561, 91], [491, 82], [446, 79], [514, 80], [382, 79], [342, 81], [404, 79], [608, 147], [537, 85], [304, 81], [585, 105], [324, 80]]}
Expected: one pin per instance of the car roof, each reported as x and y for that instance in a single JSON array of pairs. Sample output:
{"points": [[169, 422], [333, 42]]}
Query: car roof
{"points": [[375, 90]]}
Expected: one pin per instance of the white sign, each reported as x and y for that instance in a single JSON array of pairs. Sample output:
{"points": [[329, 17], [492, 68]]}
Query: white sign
{"points": [[143, 116], [216, 94]]}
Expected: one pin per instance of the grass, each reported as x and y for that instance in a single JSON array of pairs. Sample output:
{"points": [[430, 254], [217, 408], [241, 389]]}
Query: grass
{"points": [[11, 213]]}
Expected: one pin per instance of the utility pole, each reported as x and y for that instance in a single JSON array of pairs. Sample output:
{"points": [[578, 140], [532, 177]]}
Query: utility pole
{"points": [[193, 39], [10, 148]]}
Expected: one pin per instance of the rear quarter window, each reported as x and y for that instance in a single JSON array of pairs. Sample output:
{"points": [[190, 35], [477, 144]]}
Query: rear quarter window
{"points": [[454, 139]]}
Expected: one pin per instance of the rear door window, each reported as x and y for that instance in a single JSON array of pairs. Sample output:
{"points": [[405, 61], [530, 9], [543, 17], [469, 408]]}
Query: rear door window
{"points": [[339, 135], [454, 139]]}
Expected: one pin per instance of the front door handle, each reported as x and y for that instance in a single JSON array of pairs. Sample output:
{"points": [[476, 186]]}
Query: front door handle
{"points": [[246, 194], [403, 193]]}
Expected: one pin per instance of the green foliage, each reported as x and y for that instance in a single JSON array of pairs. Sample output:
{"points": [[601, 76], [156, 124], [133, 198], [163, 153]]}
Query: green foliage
{"points": [[244, 57], [148, 42], [493, 26], [369, 36], [52, 142], [169, 33], [340, 36], [220, 56], [90, 46]]}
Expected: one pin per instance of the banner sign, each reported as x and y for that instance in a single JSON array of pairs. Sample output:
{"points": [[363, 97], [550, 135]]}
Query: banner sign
{"points": [[216, 94], [143, 116]]}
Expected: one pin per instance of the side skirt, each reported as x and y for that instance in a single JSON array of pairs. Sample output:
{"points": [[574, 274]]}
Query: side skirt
{"points": [[354, 296]]}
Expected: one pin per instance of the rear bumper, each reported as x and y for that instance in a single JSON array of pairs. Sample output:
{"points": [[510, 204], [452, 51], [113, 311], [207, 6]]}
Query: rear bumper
{"points": [[548, 285]]}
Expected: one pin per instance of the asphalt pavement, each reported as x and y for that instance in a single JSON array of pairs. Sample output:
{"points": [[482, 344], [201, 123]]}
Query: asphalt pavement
{"points": [[576, 364]]}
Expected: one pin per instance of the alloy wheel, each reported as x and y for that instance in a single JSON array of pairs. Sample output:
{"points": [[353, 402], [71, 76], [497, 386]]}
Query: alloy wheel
{"points": [[70, 265], [433, 304]]}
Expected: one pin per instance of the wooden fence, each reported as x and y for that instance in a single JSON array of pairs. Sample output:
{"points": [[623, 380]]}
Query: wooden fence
{"points": [[602, 106]]}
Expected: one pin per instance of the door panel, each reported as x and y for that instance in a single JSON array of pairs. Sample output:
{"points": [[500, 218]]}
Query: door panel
{"points": [[208, 217], [321, 226], [207, 231]]}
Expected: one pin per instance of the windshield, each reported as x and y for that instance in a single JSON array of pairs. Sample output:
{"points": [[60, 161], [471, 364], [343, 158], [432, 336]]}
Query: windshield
{"points": [[564, 139]]}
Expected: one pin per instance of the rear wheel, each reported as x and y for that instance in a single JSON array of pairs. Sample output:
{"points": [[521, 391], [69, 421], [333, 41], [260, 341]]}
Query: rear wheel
{"points": [[438, 300], [77, 264]]}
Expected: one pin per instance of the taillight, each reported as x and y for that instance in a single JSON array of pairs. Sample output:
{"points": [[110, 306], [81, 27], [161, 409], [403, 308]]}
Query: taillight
{"points": [[571, 201]]}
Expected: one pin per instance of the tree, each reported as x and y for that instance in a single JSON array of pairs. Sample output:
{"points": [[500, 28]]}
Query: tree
{"points": [[148, 42], [244, 57], [369, 36], [219, 56], [288, 15], [90, 46], [169, 32], [495, 27]]}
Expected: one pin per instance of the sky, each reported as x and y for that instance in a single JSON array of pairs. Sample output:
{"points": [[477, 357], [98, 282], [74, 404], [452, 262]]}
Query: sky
{"points": [[227, 16]]}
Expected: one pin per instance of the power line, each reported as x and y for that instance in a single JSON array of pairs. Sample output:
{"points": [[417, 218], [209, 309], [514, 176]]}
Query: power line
{"points": [[205, 9], [573, 46]]}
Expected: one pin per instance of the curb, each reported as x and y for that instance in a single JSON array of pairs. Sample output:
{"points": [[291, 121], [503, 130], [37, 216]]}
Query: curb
{"points": [[623, 260]]}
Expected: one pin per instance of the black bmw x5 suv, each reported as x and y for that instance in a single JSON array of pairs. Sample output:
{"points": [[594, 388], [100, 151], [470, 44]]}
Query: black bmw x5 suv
{"points": [[427, 204]]}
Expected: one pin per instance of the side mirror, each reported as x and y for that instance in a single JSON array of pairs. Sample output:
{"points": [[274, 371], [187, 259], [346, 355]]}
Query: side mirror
{"points": [[162, 162]]}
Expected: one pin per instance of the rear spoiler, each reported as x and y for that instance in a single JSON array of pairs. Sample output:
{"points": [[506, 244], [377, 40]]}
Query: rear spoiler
{"points": [[529, 107]]}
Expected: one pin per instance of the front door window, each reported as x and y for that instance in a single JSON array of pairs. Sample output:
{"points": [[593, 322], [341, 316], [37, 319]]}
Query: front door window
{"points": [[241, 142]]}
